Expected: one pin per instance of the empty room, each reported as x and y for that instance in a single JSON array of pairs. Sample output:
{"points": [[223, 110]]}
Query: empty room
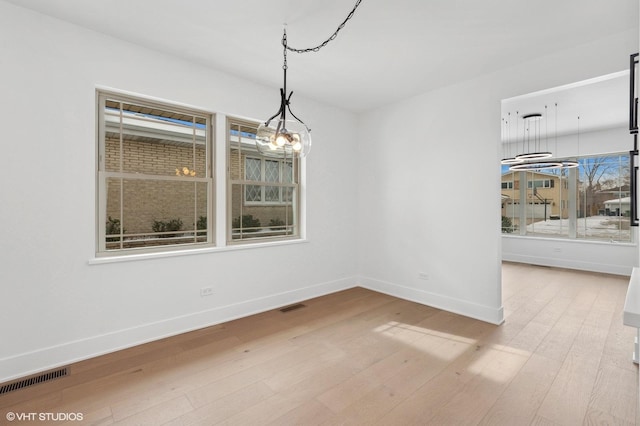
{"points": [[319, 212]]}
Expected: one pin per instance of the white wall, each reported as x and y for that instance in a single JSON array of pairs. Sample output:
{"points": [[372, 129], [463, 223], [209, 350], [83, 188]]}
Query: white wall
{"points": [[606, 257], [54, 306], [595, 142], [443, 145]]}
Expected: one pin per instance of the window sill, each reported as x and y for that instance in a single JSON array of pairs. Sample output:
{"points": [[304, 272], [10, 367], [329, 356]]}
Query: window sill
{"points": [[570, 240], [189, 252]]}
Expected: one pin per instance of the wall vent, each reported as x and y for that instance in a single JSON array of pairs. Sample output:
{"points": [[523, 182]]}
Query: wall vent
{"points": [[292, 307], [41, 378]]}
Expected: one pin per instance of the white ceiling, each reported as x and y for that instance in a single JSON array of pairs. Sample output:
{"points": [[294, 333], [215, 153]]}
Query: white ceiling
{"points": [[390, 50], [595, 104]]}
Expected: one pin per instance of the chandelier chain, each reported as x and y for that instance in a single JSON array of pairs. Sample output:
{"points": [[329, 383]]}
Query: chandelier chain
{"points": [[284, 53], [324, 43]]}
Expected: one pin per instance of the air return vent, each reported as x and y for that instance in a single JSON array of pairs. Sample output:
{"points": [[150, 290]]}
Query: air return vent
{"points": [[292, 307], [25, 383]]}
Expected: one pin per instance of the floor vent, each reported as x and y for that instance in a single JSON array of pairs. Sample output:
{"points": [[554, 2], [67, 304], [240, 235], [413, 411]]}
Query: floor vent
{"points": [[41, 378], [292, 307]]}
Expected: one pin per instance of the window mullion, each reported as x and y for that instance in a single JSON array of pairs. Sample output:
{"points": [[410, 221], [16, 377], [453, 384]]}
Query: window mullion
{"points": [[121, 168], [263, 179]]}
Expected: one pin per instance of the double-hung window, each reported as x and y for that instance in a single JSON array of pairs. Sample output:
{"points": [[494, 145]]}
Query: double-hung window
{"points": [[155, 184], [263, 190]]}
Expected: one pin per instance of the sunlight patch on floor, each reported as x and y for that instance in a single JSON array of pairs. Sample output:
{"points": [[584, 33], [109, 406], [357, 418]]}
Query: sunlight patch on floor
{"points": [[495, 362], [435, 343]]}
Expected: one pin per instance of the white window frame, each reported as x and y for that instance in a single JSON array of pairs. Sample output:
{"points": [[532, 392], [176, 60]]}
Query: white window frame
{"points": [[294, 231]]}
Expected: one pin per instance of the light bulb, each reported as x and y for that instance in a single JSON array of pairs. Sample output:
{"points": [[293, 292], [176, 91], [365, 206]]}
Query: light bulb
{"points": [[278, 138], [281, 139]]}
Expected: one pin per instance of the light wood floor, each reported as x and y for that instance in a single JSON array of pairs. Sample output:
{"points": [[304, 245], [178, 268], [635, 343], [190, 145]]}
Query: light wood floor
{"points": [[563, 357]]}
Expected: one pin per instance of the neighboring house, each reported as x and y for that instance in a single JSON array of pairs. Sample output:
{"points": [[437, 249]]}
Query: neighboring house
{"points": [[603, 201], [547, 195], [617, 207]]}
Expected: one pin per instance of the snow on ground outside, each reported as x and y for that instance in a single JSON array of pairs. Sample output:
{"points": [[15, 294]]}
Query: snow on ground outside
{"points": [[601, 227]]}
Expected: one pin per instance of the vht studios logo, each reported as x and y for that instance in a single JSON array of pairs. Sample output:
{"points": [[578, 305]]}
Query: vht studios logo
{"points": [[44, 417]]}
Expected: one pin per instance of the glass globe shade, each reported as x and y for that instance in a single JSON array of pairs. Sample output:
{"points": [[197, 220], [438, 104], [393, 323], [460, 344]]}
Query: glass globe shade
{"points": [[293, 138]]}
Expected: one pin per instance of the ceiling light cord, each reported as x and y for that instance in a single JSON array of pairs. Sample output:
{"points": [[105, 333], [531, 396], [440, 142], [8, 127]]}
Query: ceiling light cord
{"points": [[324, 43]]}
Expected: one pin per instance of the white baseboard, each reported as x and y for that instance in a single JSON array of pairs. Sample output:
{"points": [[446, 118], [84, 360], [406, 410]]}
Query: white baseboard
{"points": [[569, 264], [44, 359], [26, 364], [457, 306]]}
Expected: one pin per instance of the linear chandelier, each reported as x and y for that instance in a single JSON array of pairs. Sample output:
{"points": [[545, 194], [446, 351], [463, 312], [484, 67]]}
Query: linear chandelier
{"points": [[287, 134]]}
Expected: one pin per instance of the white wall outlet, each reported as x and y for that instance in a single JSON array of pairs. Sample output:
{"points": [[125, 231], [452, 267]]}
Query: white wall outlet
{"points": [[423, 275], [206, 291]]}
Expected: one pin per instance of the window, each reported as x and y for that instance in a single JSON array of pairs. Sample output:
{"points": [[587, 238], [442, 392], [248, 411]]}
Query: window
{"points": [[590, 202], [263, 191], [540, 183], [155, 185]]}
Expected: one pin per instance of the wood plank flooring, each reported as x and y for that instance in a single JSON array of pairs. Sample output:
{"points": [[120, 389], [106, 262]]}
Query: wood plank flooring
{"points": [[563, 357]]}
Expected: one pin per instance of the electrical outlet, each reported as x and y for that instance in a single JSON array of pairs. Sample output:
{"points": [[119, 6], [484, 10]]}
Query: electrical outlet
{"points": [[206, 291], [423, 275]]}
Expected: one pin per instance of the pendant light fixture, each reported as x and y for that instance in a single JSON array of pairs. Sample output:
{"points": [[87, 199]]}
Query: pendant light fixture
{"points": [[532, 153], [533, 157], [532, 136], [288, 134], [284, 133]]}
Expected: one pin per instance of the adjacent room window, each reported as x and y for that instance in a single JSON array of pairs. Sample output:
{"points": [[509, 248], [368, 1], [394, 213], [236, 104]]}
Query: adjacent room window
{"points": [[591, 202], [263, 191], [155, 185]]}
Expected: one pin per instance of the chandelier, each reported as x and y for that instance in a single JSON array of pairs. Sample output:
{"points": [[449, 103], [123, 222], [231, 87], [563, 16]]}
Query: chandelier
{"points": [[284, 133], [532, 155]]}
